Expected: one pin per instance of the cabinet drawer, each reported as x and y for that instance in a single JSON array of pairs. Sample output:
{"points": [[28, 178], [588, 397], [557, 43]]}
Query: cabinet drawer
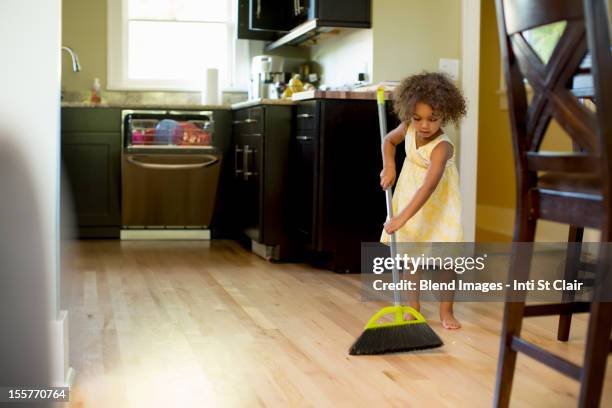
{"points": [[304, 135], [248, 121], [309, 108], [306, 115], [241, 115]]}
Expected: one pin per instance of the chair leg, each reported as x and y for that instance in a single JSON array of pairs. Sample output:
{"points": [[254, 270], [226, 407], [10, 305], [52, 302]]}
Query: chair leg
{"points": [[600, 326], [596, 354], [572, 263], [513, 312]]}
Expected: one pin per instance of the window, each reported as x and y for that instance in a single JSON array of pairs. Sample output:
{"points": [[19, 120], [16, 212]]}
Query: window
{"points": [[169, 44], [542, 40]]}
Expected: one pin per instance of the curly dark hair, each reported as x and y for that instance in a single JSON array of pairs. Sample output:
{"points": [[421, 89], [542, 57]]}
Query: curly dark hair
{"points": [[433, 88]]}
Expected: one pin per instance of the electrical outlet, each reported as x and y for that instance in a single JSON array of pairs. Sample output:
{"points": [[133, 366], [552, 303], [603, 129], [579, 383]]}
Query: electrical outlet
{"points": [[449, 67]]}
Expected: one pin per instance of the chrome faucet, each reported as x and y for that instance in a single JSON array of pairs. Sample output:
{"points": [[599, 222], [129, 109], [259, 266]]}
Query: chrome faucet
{"points": [[76, 66]]}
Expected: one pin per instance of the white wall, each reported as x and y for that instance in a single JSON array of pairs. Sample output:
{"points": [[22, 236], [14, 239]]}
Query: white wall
{"points": [[30, 40], [342, 57]]}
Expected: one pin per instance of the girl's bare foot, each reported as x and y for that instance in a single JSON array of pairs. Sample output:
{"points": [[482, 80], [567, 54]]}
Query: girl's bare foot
{"points": [[447, 317], [449, 321]]}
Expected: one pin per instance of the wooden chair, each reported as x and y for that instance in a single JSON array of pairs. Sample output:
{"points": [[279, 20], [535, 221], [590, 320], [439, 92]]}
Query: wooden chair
{"points": [[573, 188]]}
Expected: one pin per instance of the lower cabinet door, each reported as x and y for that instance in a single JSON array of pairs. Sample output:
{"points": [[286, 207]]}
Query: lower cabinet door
{"points": [[91, 176], [304, 189], [248, 161]]}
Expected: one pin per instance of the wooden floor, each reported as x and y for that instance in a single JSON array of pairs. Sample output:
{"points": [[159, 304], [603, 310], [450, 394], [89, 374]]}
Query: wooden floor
{"points": [[189, 324]]}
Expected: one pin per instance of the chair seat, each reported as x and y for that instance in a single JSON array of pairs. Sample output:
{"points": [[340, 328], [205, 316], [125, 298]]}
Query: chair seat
{"points": [[573, 199], [571, 183]]}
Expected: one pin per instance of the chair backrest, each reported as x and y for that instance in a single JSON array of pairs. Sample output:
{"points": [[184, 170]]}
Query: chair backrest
{"points": [[586, 32]]}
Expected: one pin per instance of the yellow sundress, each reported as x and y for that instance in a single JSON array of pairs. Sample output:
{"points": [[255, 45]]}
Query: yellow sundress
{"points": [[439, 219]]}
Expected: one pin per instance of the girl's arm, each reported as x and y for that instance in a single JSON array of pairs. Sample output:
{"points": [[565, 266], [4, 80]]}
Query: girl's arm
{"points": [[392, 139], [439, 156]]}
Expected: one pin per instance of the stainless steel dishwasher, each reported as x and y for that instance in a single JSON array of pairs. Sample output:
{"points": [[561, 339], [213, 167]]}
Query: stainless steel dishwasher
{"points": [[170, 170]]}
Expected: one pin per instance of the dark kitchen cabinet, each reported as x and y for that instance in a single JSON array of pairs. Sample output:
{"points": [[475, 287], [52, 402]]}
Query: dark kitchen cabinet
{"points": [[245, 31], [335, 191], [91, 172], [304, 174], [260, 158], [340, 13], [294, 21], [221, 221], [324, 16], [275, 15]]}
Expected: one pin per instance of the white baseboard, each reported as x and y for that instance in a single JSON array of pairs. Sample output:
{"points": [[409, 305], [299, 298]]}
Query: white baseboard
{"points": [[500, 220], [165, 234], [62, 373], [70, 377]]}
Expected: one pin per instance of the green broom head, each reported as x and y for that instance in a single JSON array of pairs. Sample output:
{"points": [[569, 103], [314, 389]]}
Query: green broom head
{"points": [[396, 336]]}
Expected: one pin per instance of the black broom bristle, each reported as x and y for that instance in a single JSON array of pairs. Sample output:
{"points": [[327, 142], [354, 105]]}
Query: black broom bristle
{"points": [[391, 339]]}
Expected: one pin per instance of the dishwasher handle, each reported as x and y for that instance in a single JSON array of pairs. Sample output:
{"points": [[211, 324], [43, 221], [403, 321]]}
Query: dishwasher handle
{"points": [[157, 166]]}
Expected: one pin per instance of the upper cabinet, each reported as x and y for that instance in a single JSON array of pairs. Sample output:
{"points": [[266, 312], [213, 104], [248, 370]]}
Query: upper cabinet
{"points": [[341, 13], [276, 15], [245, 31], [290, 22]]}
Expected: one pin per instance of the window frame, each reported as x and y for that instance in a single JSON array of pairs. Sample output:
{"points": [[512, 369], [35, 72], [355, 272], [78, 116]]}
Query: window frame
{"points": [[117, 56]]}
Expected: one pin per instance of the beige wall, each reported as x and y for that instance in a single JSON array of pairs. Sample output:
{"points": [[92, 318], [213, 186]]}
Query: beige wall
{"points": [[410, 36], [84, 29], [496, 185], [496, 193], [407, 36]]}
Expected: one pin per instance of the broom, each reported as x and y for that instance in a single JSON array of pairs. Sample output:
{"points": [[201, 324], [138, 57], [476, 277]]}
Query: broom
{"points": [[400, 334]]}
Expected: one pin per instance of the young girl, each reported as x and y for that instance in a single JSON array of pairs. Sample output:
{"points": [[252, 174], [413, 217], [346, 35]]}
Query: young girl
{"points": [[426, 201]]}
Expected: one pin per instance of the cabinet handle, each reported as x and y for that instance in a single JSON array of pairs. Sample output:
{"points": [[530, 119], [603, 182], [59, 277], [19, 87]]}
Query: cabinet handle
{"points": [[245, 162], [184, 112], [258, 9], [236, 170], [303, 137], [295, 7], [157, 166], [238, 122], [247, 151], [305, 115]]}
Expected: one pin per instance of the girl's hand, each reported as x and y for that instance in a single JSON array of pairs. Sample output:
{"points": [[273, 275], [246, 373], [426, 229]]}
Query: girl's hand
{"points": [[387, 177], [394, 224]]}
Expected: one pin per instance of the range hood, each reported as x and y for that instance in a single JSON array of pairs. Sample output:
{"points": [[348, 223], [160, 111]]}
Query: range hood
{"points": [[310, 29]]}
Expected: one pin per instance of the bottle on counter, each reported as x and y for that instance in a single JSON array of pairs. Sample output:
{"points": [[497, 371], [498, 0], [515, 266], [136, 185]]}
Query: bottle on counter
{"points": [[95, 92]]}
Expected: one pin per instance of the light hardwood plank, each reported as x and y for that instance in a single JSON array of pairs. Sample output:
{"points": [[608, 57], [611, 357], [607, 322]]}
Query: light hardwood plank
{"points": [[193, 324]]}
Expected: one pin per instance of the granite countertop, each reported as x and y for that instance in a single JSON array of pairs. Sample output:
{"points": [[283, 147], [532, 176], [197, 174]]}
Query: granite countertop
{"points": [[261, 101], [239, 105], [301, 96], [144, 106]]}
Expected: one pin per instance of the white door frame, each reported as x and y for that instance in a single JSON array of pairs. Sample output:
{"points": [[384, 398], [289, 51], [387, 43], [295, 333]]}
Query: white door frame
{"points": [[468, 154]]}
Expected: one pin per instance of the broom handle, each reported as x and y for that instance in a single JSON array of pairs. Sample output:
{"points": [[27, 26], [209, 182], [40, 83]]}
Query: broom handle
{"points": [[382, 120]]}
